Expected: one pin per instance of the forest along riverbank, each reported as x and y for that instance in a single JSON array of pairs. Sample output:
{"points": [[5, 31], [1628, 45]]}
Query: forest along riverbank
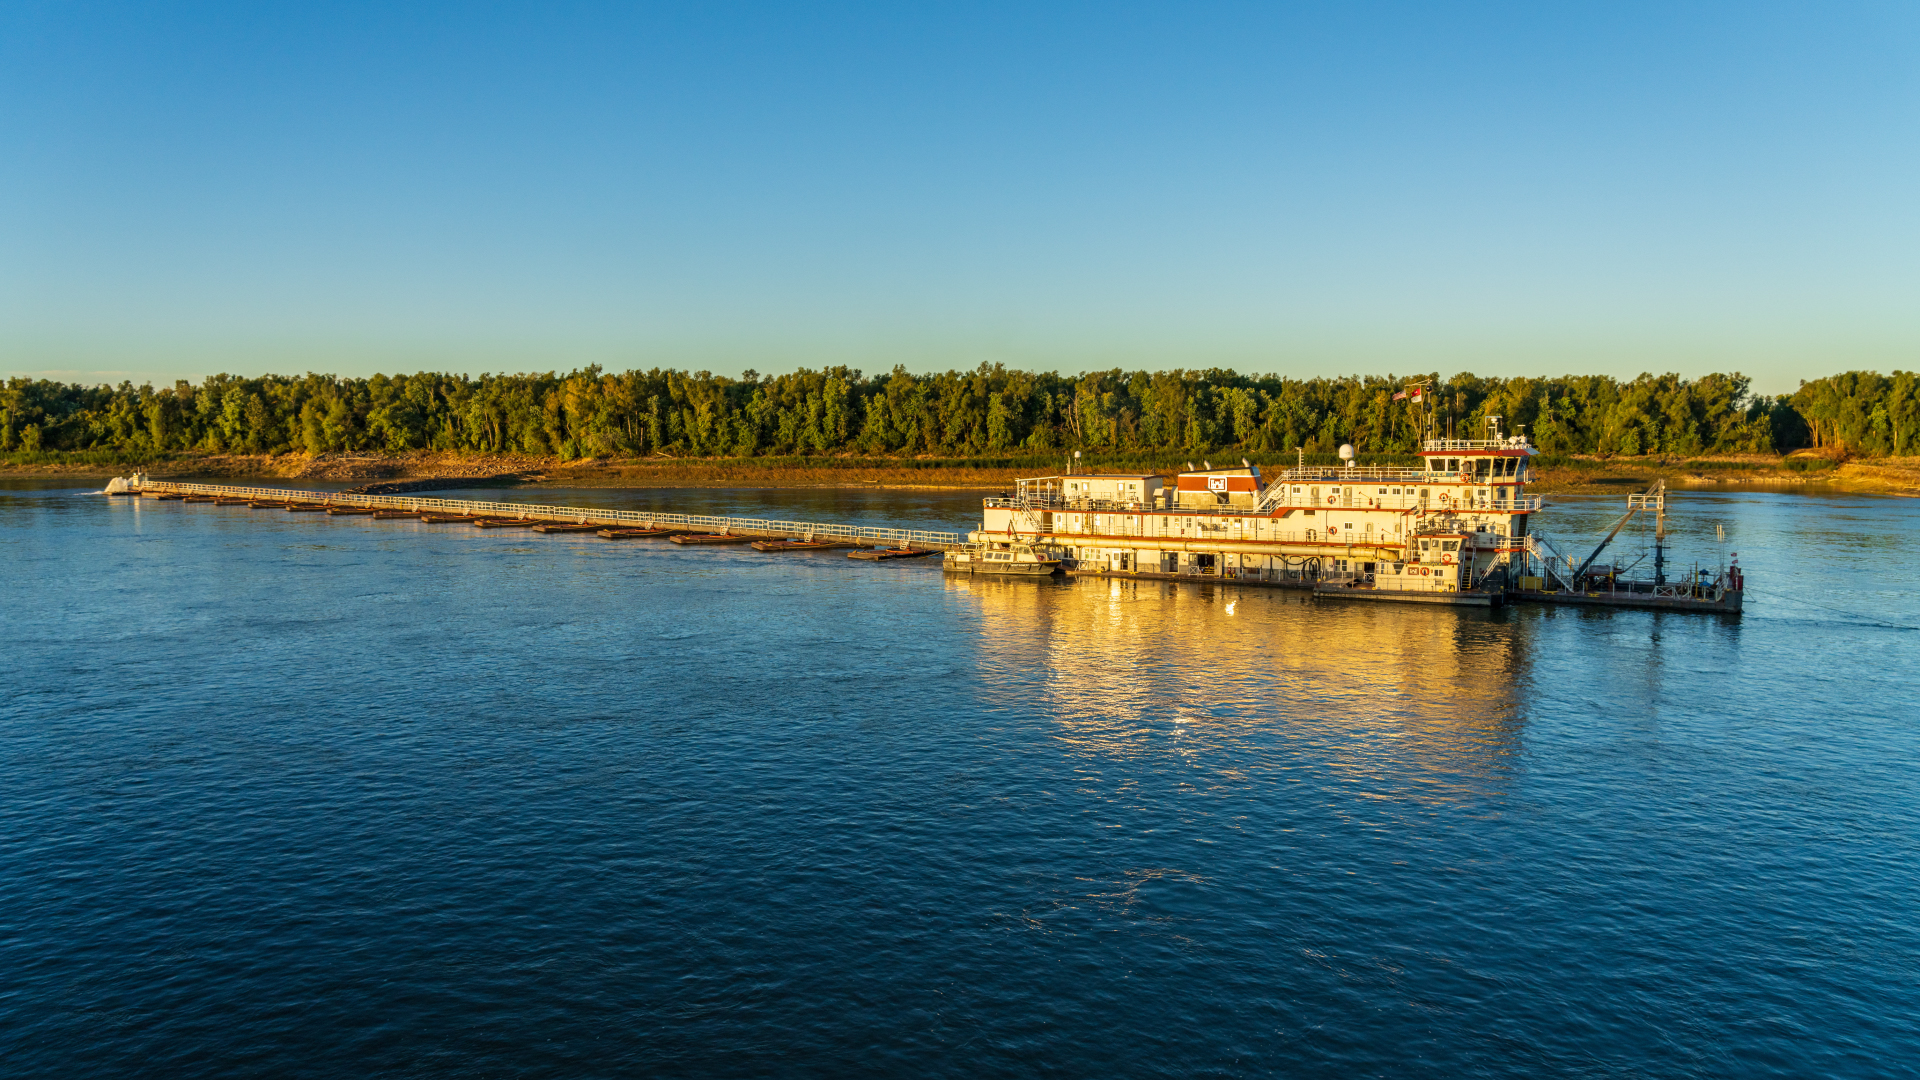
{"points": [[1882, 476]]}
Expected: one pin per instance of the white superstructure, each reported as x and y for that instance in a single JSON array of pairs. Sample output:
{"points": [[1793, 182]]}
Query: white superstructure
{"points": [[1456, 525]]}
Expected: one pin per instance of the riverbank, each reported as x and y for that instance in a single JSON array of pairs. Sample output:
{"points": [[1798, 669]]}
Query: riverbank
{"points": [[1880, 476], [551, 471], [1876, 476]]}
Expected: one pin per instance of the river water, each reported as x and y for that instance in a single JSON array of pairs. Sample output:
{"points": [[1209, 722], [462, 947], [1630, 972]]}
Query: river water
{"points": [[283, 795]]}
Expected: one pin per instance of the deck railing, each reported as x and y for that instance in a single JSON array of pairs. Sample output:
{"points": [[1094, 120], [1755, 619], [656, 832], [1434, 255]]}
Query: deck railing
{"points": [[1337, 473], [1384, 582], [860, 534], [1441, 445]]}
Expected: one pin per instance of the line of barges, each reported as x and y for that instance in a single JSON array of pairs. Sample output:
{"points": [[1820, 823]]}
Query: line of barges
{"points": [[1457, 530]]}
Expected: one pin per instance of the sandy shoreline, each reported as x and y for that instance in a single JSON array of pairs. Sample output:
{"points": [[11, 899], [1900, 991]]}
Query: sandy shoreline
{"points": [[1887, 476]]}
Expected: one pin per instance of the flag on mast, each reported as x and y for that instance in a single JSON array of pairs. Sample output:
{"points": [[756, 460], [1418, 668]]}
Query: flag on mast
{"points": [[1401, 396]]}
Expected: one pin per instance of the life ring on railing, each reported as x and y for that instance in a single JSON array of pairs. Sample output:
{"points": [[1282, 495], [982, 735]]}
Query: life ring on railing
{"points": [[1331, 499], [1446, 500]]}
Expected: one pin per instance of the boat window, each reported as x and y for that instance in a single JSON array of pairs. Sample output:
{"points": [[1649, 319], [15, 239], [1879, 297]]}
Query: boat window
{"points": [[1383, 491], [1450, 545]]}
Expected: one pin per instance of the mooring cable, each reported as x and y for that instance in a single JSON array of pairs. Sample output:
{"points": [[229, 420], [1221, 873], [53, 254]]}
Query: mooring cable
{"points": [[1867, 620]]}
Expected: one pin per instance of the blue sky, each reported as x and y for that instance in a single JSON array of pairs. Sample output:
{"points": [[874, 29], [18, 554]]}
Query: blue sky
{"points": [[1327, 189]]}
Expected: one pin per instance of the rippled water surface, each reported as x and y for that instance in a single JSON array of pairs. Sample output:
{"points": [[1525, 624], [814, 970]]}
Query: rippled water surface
{"points": [[289, 796]]}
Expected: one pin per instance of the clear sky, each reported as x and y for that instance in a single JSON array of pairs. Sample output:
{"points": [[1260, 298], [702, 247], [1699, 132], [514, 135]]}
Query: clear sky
{"points": [[1312, 189]]}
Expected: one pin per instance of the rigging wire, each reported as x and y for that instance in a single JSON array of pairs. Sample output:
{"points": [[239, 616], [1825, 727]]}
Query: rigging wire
{"points": [[1867, 619]]}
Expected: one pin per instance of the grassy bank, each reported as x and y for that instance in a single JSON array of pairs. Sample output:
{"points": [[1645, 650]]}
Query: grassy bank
{"points": [[1892, 476], [1883, 476]]}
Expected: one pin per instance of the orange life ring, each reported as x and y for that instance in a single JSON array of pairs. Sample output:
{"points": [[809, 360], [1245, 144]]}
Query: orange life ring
{"points": [[1331, 499]]}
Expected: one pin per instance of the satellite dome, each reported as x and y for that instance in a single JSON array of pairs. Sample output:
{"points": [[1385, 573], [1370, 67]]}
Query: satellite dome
{"points": [[1346, 451]]}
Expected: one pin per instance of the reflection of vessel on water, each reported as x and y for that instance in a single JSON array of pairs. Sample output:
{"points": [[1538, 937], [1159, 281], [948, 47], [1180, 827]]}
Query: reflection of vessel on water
{"points": [[992, 556], [1456, 530], [1107, 662]]}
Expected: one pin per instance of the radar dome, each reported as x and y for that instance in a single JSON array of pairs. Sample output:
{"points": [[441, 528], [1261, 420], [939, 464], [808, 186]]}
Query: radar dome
{"points": [[1346, 451]]}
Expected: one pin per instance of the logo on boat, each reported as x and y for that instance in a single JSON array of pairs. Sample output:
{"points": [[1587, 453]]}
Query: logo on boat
{"points": [[1216, 483]]}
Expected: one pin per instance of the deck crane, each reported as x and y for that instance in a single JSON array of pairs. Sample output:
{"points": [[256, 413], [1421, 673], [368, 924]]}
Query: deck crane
{"points": [[1655, 499]]}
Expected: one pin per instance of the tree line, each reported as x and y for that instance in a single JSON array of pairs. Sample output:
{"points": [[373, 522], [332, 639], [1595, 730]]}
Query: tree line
{"points": [[985, 412]]}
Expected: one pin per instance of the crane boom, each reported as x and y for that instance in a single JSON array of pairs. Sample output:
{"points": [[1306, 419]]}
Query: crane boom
{"points": [[1633, 508]]}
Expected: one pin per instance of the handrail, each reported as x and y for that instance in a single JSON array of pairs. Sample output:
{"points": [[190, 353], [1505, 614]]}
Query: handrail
{"points": [[1062, 503], [1277, 493], [578, 514], [1550, 559], [1518, 442], [1356, 472]]}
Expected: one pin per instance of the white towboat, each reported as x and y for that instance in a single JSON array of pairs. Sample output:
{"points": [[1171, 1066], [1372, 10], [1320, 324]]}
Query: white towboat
{"points": [[979, 556]]}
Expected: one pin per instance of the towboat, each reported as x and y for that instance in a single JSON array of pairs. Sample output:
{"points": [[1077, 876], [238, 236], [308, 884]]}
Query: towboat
{"points": [[981, 556]]}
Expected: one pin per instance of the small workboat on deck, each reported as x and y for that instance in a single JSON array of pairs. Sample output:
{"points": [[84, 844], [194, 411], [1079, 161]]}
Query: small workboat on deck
{"points": [[1001, 557]]}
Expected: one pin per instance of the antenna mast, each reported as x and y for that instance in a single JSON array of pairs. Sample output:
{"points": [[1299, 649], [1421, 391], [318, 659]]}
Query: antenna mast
{"points": [[1660, 536]]}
